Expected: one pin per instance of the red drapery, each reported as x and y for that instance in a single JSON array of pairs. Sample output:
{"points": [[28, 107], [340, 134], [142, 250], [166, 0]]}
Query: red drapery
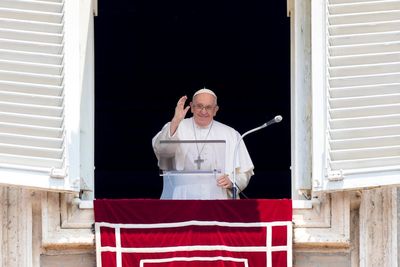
{"points": [[193, 233]]}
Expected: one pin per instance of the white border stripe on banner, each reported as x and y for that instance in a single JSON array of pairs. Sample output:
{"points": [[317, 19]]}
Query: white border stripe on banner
{"points": [[98, 244], [195, 248], [289, 241], [269, 245], [118, 247], [192, 223]]}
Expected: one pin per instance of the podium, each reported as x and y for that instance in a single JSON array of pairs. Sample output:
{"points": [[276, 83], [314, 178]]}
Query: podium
{"points": [[190, 168]]}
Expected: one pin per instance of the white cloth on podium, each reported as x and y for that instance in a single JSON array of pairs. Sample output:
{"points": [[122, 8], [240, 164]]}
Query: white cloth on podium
{"points": [[192, 187]]}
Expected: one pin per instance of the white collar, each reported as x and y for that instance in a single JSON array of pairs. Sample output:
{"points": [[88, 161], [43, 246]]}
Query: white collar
{"points": [[202, 127]]}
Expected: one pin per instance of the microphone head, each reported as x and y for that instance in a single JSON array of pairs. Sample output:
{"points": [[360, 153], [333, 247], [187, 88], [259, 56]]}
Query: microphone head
{"points": [[278, 118]]}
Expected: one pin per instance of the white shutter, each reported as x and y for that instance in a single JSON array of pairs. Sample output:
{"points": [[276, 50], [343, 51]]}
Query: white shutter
{"points": [[32, 128], [362, 93]]}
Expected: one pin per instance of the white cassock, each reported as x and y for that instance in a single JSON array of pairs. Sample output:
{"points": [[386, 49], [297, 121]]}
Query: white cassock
{"points": [[198, 187]]}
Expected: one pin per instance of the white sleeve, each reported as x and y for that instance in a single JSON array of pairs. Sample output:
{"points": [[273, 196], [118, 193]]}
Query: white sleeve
{"points": [[242, 180], [163, 151]]}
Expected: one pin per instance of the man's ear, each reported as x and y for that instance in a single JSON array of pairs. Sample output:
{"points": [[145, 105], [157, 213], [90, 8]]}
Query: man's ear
{"points": [[216, 109], [191, 107]]}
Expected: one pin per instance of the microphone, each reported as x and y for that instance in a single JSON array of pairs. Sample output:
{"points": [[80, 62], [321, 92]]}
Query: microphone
{"points": [[276, 119]]}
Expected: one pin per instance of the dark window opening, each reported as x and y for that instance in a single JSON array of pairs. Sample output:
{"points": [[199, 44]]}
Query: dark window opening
{"points": [[149, 53]]}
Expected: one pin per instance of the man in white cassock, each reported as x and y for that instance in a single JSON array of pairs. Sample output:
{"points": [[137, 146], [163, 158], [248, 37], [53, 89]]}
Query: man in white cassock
{"points": [[200, 127]]}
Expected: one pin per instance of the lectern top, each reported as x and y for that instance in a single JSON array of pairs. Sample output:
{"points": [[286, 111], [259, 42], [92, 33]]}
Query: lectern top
{"points": [[197, 156]]}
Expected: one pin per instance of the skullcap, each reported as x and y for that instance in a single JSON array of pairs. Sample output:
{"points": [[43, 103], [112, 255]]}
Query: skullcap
{"points": [[205, 91]]}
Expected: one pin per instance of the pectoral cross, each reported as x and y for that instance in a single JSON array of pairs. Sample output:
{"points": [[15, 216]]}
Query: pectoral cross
{"points": [[198, 161]]}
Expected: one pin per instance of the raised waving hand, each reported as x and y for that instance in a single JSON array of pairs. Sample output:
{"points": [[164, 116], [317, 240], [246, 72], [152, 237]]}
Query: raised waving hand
{"points": [[180, 113]]}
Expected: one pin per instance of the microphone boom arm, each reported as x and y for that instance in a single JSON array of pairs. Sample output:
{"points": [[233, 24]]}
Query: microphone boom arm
{"points": [[234, 186]]}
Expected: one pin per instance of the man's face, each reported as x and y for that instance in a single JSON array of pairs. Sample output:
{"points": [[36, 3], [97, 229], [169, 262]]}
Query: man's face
{"points": [[204, 108]]}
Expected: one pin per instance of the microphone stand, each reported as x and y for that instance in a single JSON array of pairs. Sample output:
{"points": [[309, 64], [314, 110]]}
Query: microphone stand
{"points": [[234, 186]]}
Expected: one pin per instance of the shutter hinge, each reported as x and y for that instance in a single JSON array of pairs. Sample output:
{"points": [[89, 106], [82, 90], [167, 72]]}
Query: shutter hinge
{"points": [[335, 175], [58, 173]]}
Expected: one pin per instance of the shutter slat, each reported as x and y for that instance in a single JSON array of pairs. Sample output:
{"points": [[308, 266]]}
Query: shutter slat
{"points": [[30, 88], [393, 140], [27, 119], [38, 47], [31, 161], [365, 163], [365, 132], [38, 58], [371, 48], [370, 69], [364, 153], [354, 112], [30, 15], [360, 7], [364, 121], [371, 27], [42, 6], [32, 26], [364, 17], [31, 109], [20, 129], [333, 2], [18, 66], [365, 38], [31, 140], [33, 99], [365, 89], [367, 100], [364, 59], [30, 151], [30, 77], [53, 1], [39, 37], [365, 80]]}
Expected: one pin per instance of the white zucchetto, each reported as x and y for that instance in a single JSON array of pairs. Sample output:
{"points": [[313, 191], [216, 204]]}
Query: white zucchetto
{"points": [[205, 91]]}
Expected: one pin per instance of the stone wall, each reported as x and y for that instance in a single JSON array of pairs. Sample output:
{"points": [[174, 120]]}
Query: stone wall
{"points": [[49, 230]]}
